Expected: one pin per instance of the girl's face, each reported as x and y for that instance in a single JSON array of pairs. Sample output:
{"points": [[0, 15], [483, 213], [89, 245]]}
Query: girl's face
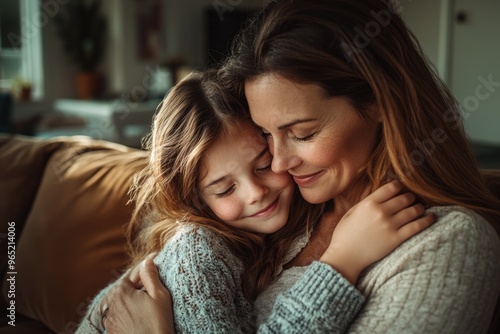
{"points": [[321, 141], [237, 183]]}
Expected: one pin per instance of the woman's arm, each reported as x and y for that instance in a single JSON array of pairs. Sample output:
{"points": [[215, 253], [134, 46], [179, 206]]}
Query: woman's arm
{"points": [[153, 300], [145, 310], [92, 321], [368, 232], [204, 279]]}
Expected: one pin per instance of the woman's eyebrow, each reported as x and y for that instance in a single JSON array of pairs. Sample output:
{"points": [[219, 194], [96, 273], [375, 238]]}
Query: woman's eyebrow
{"points": [[287, 125]]}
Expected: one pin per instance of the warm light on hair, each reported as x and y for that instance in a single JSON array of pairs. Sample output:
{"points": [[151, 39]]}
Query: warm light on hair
{"points": [[193, 116], [363, 50]]}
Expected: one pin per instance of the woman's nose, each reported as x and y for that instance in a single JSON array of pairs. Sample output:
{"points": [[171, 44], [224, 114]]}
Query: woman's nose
{"points": [[282, 158]]}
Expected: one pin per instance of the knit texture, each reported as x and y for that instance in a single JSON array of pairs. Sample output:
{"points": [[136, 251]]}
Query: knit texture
{"points": [[446, 279], [203, 277]]}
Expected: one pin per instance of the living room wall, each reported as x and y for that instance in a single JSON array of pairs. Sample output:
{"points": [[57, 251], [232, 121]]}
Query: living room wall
{"points": [[183, 23]]}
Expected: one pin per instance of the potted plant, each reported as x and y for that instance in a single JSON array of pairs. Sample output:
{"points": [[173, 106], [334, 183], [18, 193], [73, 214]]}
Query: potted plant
{"points": [[21, 89], [82, 28]]}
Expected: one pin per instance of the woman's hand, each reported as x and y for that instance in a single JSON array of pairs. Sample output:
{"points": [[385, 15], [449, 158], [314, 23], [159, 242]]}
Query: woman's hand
{"points": [[139, 303], [373, 228]]}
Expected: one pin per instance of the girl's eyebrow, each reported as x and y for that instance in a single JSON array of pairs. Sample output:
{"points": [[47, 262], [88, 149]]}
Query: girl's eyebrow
{"points": [[213, 183], [258, 156], [287, 125], [220, 179]]}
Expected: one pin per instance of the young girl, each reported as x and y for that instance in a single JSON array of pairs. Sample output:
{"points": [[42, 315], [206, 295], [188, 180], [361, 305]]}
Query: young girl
{"points": [[223, 223]]}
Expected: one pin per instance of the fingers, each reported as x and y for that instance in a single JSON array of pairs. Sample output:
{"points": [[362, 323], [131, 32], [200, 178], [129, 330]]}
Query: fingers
{"points": [[123, 285], [386, 192], [414, 227], [408, 214], [134, 273], [104, 315], [150, 278], [399, 203]]}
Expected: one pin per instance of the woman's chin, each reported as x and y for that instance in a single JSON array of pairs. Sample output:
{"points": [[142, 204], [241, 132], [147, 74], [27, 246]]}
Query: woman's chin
{"points": [[314, 197]]}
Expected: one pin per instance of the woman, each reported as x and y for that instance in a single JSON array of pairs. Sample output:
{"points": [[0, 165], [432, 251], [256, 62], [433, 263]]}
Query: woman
{"points": [[347, 101], [222, 222]]}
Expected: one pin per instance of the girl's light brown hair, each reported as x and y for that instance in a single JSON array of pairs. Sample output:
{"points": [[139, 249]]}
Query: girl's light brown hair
{"points": [[194, 114], [362, 50]]}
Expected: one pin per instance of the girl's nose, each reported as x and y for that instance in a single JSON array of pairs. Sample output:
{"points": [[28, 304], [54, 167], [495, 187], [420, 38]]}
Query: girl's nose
{"points": [[257, 190]]}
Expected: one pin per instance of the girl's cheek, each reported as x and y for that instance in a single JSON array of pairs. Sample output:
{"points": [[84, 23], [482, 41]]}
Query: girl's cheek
{"points": [[228, 210], [284, 179]]}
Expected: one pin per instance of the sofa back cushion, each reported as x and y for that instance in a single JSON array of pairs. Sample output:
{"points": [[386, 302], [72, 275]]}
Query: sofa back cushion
{"points": [[73, 243], [22, 161]]}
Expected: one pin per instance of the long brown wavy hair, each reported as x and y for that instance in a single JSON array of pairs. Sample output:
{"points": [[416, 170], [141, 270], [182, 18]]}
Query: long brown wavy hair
{"points": [[191, 118], [362, 50]]}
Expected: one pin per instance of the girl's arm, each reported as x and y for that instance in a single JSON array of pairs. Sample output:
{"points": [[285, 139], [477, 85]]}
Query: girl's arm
{"points": [[373, 228], [322, 300]]}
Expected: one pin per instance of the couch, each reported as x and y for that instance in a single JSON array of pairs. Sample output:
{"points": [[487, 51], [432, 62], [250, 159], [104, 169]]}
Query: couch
{"points": [[64, 203]]}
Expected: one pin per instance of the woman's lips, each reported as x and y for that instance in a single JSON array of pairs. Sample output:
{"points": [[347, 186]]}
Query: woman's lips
{"points": [[306, 180], [268, 210]]}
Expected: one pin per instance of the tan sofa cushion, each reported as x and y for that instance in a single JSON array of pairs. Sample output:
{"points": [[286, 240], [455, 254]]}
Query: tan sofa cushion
{"points": [[73, 243], [22, 161]]}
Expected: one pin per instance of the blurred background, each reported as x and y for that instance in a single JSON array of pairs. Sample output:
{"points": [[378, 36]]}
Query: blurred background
{"points": [[100, 68]]}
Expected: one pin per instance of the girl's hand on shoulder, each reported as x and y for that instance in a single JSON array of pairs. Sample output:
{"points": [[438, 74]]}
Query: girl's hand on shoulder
{"points": [[373, 228]]}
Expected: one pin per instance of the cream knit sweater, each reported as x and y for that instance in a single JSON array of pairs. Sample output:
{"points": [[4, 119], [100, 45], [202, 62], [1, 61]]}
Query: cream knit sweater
{"points": [[443, 280]]}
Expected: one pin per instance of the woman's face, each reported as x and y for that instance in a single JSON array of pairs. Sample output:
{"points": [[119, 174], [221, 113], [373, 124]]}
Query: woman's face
{"points": [[321, 141], [237, 183]]}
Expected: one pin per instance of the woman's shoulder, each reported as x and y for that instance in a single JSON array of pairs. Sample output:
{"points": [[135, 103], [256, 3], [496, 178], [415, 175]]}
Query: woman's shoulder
{"points": [[456, 228], [454, 220], [460, 242]]}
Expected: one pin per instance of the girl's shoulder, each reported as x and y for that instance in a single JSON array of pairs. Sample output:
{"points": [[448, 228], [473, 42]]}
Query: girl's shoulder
{"points": [[198, 236], [198, 243]]}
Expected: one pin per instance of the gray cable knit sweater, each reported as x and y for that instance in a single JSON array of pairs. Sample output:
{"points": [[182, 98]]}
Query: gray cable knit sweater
{"points": [[203, 277], [444, 280]]}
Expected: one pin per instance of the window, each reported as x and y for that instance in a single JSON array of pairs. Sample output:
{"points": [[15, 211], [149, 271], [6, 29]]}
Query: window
{"points": [[21, 44]]}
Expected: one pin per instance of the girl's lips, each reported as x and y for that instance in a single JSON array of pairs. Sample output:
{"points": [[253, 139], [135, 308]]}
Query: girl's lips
{"points": [[306, 180], [268, 210]]}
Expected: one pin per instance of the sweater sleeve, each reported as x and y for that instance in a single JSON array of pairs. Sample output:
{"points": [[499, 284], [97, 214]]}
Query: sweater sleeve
{"points": [[444, 280], [204, 280], [321, 301]]}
